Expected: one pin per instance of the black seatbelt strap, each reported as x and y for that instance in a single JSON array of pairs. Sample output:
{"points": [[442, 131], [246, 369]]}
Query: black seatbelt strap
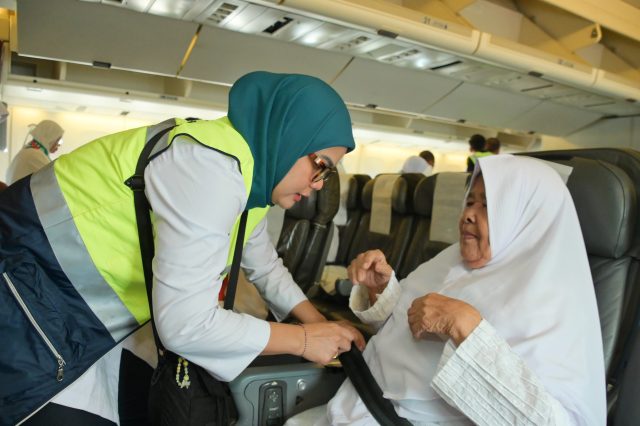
{"points": [[358, 372], [145, 233], [235, 265]]}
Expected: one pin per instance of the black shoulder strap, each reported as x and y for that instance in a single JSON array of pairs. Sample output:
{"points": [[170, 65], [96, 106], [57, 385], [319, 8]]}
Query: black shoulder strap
{"points": [[145, 232], [358, 371]]}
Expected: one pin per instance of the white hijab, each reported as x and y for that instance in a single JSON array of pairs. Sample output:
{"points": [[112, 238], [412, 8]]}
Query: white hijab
{"points": [[416, 164], [536, 291]]}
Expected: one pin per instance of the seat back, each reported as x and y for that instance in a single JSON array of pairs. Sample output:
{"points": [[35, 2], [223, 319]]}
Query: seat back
{"points": [[420, 248], [295, 231], [319, 236], [604, 185], [394, 243], [354, 213]]}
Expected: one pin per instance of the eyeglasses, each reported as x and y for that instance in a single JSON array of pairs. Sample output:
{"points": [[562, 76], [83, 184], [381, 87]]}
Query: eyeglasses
{"points": [[324, 169]]}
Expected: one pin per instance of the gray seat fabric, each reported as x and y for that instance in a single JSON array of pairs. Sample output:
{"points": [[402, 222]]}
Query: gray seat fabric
{"points": [[295, 230], [354, 213], [627, 412], [604, 186]]}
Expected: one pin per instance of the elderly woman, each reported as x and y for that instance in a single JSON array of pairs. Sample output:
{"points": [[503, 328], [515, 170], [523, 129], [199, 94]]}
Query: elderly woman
{"points": [[501, 328]]}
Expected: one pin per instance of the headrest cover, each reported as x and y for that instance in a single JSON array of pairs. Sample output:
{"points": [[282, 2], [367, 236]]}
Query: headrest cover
{"points": [[447, 206], [605, 201], [423, 196], [381, 209]]}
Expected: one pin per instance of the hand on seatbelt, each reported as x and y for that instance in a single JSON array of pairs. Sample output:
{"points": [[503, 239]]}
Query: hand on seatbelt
{"points": [[326, 340]]}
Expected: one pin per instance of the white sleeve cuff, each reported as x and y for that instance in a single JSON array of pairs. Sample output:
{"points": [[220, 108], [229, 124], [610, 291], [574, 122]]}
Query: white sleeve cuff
{"points": [[377, 314]]}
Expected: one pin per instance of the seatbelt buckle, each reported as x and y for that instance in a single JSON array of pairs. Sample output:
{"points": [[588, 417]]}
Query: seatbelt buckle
{"points": [[135, 182]]}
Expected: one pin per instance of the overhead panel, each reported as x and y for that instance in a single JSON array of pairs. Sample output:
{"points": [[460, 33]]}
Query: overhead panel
{"points": [[553, 119], [367, 82], [74, 31], [607, 82], [482, 105], [223, 56]]}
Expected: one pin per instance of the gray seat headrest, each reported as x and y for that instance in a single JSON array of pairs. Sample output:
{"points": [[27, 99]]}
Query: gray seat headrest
{"points": [[305, 208], [356, 185], [423, 196], [605, 200], [328, 200]]}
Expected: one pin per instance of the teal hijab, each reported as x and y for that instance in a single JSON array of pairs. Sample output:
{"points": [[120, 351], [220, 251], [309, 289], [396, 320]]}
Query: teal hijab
{"points": [[284, 117]]}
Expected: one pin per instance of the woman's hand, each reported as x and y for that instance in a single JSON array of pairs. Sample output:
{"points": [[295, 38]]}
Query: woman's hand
{"points": [[371, 270], [435, 313], [326, 340]]}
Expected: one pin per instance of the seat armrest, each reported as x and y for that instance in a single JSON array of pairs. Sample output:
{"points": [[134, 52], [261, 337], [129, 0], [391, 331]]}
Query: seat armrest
{"points": [[271, 394]]}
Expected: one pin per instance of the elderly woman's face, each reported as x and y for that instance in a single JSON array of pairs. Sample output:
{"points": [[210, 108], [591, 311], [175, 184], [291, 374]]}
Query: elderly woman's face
{"points": [[474, 228]]}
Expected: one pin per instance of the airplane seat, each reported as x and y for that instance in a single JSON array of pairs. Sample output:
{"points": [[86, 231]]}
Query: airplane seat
{"points": [[386, 222], [320, 234], [422, 207], [295, 231], [354, 213], [604, 185]]}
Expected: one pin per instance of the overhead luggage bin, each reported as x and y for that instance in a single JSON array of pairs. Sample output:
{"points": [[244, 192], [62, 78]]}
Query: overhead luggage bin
{"points": [[223, 56], [109, 37], [534, 61], [367, 82], [394, 21]]}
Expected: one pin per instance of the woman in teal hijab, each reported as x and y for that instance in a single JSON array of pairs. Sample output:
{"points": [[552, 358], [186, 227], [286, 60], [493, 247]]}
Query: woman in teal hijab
{"points": [[292, 129], [284, 117]]}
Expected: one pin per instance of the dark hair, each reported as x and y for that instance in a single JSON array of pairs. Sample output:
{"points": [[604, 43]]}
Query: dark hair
{"points": [[493, 145], [428, 157], [476, 142]]}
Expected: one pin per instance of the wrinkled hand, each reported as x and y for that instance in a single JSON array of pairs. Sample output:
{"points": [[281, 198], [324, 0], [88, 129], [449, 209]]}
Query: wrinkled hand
{"points": [[326, 340], [435, 313], [371, 270]]}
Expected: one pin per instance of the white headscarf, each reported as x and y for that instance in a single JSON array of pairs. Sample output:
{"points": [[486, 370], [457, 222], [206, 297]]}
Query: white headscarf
{"points": [[416, 164], [536, 291], [47, 132]]}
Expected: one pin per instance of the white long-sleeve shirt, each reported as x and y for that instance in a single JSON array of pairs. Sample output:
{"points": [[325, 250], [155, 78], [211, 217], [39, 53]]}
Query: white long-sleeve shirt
{"points": [[196, 193], [27, 161], [483, 379]]}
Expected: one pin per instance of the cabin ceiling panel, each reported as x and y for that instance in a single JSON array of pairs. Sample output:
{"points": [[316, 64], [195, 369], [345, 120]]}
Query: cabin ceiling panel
{"points": [[553, 119], [482, 105], [83, 32], [401, 89], [223, 56]]}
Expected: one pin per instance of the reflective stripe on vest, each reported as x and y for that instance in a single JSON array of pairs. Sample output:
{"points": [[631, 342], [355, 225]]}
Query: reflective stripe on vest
{"points": [[89, 218]]}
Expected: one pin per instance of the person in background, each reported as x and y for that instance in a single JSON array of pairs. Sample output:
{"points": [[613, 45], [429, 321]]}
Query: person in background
{"points": [[46, 138], [493, 146], [416, 164], [429, 158], [477, 148]]}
